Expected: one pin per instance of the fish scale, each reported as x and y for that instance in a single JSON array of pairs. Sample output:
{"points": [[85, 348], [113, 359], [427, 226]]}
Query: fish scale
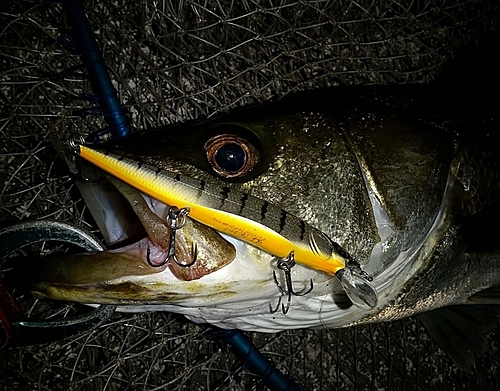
{"points": [[231, 212]]}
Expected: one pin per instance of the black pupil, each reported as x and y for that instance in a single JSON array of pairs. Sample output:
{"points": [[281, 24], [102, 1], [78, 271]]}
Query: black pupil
{"points": [[230, 157]]}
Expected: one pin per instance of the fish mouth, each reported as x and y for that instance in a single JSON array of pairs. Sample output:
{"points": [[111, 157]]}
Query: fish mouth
{"points": [[145, 252], [136, 270]]}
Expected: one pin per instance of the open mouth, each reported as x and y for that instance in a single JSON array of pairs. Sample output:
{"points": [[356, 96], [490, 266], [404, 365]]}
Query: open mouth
{"points": [[189, 249]]}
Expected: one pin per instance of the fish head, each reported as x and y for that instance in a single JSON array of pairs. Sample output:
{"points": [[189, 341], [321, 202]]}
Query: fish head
{"points": [[297, 159], [362, 169]]}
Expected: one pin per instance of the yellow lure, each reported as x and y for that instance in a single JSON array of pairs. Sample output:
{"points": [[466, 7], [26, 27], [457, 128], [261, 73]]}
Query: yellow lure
{"points": [[171, 190]]}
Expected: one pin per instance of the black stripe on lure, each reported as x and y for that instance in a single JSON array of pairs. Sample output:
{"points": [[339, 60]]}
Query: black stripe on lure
{"points": [[236, 214]]}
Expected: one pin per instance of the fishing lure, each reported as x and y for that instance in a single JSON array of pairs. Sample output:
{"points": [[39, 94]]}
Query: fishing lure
{"points": [[242, 216], [236, 214]]}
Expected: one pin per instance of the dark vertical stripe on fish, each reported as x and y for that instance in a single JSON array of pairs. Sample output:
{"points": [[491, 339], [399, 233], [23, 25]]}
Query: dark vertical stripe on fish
{"points": [[284, 213], [139, 165], [302, 226], [263, 210], [177, 177], [244, 199]]}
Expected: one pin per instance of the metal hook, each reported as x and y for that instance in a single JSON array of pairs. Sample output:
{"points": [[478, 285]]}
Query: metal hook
{"points": [[286, 264], [175, 220]]}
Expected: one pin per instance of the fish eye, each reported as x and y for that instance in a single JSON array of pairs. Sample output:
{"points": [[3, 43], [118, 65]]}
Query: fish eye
{"points": [[231, 156]]}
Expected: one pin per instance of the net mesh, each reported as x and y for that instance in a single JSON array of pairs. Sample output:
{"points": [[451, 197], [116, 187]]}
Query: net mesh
{"points": [[172, 61]]}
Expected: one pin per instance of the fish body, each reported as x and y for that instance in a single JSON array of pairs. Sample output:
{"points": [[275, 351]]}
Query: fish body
{"points": [[397, 177]]}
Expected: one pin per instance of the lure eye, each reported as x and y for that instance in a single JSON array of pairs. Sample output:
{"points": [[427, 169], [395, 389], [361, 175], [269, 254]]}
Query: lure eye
{"points": [[231, 156]]}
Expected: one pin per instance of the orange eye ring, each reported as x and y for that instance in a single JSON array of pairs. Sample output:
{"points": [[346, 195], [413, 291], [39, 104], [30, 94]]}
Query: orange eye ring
{"points": [[231, 156]]}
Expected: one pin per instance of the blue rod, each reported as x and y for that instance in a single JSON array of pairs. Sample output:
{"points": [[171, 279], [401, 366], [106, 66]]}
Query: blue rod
{"points": [[253, 359], [114, 113]]}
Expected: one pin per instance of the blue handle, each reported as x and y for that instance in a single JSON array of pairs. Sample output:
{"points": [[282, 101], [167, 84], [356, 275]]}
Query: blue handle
{"points": [[114, 113]]}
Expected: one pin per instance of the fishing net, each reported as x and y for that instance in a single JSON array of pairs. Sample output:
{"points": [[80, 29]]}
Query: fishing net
{"points": [[177, 60]]}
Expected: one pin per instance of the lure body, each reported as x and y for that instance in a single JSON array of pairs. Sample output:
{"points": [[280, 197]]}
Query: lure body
{"points": [[237, 214]]}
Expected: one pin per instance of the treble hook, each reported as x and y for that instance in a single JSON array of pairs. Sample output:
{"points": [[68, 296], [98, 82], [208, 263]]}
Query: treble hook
{"points": [[175, 220], [286, 264]]}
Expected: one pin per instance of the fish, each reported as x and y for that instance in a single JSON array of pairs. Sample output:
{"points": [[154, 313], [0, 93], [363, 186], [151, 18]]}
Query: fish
{"points": [[402, 179]]}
